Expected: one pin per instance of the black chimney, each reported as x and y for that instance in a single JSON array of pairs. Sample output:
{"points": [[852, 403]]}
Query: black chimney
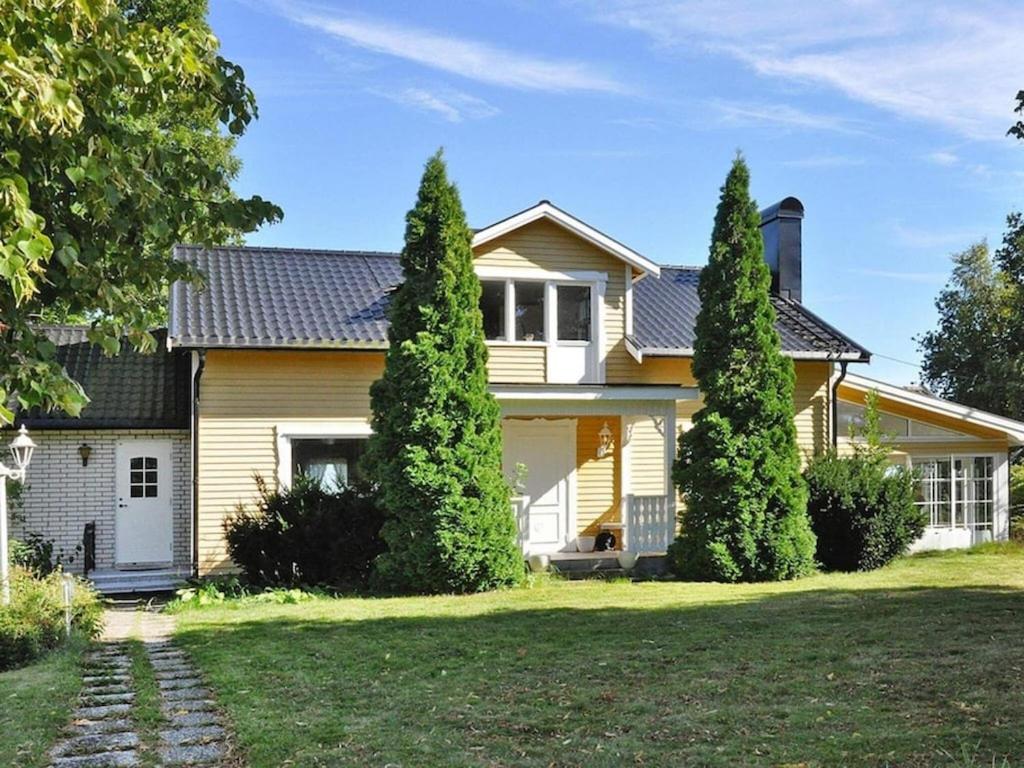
{"points": [[780, 228]]}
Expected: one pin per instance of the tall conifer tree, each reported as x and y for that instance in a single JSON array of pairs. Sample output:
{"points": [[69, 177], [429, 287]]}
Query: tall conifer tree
{"points": [[435, 455], [738, 468]]}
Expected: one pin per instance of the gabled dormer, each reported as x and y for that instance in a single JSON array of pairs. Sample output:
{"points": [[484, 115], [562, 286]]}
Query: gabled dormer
{"points": [[557, 297]]}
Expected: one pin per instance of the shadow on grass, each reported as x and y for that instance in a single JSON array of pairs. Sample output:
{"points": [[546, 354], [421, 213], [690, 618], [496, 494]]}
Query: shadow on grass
{"points": [[914, 676]]}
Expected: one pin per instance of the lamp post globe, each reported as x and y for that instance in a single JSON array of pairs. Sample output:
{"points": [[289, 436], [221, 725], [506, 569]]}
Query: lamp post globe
{"points": [[22, 448]]}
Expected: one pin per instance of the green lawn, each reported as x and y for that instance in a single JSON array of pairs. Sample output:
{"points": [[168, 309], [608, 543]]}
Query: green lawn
{"points": [[35, 703], [921, 663]]}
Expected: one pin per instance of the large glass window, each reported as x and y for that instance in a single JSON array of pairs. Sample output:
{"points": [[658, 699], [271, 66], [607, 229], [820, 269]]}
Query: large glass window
{"points": [[573, 312], [492, 304], [851, 418], [332, 462], [529, 311], [956, 491]]}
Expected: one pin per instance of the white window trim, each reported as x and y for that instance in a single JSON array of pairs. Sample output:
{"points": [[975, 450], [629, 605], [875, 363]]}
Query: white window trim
{"points": [[1000, 488], [340, 429], [596, 281]]}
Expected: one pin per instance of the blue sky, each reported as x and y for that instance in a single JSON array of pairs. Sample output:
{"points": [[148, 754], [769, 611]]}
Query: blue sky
{"points": [[886, 119]]}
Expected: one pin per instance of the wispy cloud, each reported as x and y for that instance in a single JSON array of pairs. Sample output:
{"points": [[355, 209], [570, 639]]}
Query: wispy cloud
{"points": [[928, 278], [781, 115], [453, 106], [471, 59], [941, 61]]}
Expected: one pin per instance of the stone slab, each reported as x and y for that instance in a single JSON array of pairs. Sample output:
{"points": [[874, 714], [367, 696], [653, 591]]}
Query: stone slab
{"points": [[184, 694], [193, 719], [126, 759], [196, 735], [179, 682], [193, 754], [100, 699], [189, 705], [99, 742], [99, 713], [89, 727]]}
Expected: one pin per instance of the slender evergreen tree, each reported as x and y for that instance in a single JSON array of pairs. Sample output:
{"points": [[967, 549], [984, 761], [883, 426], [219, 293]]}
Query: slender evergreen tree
{"points": [[435, 456], [738, 468]]}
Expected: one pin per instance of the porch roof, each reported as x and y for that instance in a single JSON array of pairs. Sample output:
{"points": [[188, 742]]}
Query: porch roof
{"points": [[583, 399]]}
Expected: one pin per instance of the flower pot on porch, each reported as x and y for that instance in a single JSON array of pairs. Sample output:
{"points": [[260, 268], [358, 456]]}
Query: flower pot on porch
{"points": [[627, 560], [539, 563]]}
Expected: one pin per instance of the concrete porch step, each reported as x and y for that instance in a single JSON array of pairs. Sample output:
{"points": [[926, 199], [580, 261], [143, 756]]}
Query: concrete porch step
{"points": [[121, 582]]}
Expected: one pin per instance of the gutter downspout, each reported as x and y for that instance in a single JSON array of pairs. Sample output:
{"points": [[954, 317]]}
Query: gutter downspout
{"points": [[835, 402], [198, 364]]}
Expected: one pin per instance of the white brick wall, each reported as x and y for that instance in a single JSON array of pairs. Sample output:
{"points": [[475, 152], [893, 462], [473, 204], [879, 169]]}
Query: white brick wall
{"points": [[61, 495]]}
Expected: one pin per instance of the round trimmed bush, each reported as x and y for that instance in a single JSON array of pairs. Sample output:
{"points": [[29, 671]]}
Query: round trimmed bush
{"points": [[862, 510]]}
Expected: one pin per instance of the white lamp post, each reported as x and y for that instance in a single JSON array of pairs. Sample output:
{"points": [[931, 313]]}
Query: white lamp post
{"points": [[21, 452]]}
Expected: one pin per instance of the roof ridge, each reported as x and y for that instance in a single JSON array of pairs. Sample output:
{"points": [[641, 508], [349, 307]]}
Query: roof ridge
{"points": [[687, 267], [250, 249]]}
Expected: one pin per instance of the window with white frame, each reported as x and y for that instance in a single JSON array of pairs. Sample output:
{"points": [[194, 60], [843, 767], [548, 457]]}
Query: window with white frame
{"points": [[523, 305], [851, 418], [333, 462], [956, 491]]}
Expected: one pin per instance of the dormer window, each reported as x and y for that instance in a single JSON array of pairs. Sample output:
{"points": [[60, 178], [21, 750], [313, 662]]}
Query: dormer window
{"points": [[492, 305]]}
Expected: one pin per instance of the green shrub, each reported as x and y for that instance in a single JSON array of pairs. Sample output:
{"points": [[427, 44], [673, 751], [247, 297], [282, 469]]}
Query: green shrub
{"points": [[862, 510], [34, 621], [36, 554], [1017, 502], [306, 535]]}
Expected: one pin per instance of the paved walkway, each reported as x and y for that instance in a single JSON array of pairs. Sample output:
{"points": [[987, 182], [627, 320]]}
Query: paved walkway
{"points": [[103, 734]]}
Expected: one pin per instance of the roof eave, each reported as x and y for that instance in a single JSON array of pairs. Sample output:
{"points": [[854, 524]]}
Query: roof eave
{"points": [[850, 357], [545, 210]]}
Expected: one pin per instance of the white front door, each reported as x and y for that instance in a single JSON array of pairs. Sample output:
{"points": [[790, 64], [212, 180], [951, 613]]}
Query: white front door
{"points": [[572, 354], [540, 457], [144, 530]]}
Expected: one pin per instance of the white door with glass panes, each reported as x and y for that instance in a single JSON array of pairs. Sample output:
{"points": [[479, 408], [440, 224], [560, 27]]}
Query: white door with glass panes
{"points": [[572, 353], [958, 492], [144, 530]]}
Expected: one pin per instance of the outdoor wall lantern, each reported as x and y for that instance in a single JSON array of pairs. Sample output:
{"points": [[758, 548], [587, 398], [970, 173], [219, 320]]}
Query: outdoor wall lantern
{"points": [[21, 452], [85, 451], [604, 441]]}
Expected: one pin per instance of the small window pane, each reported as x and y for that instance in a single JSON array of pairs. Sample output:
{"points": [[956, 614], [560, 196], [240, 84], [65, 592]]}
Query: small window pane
{"points": [[136, 477], [492, 305], [573, 312], [151, 477], [529, 311], [137, 463], [332, 462], [136, 492], [150, 491], [150, 462]]}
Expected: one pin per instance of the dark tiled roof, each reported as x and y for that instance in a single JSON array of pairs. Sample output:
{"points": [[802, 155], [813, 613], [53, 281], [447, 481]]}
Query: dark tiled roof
{"points": [[282, 297], [665, 317], [128, 391], [278, 297]]}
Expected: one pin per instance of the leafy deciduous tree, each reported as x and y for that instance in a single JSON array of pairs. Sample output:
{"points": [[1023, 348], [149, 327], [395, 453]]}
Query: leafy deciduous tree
{"points": [[110, 152], [435, 455], [738, 468]]}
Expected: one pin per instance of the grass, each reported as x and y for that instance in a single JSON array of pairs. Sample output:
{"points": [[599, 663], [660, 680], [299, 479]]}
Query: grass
{"points": [[146, 713], [35, 703], [921, 663]]}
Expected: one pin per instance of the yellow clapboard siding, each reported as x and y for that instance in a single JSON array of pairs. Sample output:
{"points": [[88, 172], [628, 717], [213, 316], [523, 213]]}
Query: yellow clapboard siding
{"points": [[244, 395], [811, 408], [507, 364], [597, 480]]}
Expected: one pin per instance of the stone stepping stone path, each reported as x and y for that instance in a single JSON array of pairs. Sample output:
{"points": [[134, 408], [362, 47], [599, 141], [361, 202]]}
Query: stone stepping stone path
{"points": [[194, 733], [102, 733]]}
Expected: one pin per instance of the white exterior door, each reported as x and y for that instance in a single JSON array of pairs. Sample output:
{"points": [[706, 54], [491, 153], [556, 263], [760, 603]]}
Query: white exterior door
{"points": [[541, 456], [144, 530], [572, 353]]}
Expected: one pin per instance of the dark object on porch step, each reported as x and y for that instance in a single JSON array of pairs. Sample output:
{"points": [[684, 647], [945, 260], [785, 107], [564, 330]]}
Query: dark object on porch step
{"points": [[605, 541]]}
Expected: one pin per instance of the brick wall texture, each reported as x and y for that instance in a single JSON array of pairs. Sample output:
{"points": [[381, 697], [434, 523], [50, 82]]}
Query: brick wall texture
{"points": [[61, 495]]}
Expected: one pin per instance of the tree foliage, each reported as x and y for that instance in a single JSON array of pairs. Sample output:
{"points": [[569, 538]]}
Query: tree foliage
{"points": [[1017, 129], [111, 150], [976, 354], [861, 506], [738, 468], [435, 455]]}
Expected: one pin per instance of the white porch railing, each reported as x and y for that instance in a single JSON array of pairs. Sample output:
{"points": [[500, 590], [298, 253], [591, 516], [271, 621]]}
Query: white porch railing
{"points": [[650, 524]]}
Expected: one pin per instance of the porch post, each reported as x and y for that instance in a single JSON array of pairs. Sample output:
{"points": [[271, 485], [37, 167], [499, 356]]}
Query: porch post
{"points": [[625, 477], [670, 457]]}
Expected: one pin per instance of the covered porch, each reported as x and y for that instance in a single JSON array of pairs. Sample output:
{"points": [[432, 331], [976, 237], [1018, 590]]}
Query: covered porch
{"points": [[590, 468]]}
